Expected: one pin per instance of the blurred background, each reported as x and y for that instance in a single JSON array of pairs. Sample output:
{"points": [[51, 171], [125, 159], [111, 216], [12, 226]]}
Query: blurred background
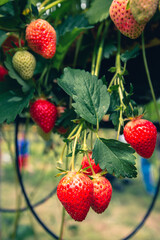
{"points": [[130, 200]]}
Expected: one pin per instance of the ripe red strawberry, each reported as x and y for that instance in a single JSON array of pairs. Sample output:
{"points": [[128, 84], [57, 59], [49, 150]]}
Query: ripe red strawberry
{"points": [[86, 164], [124, 20], [44, 113], [41, 38], [62, 130], [7, 44], [102, 193], [141, 134], [143, 10], [75, 191], [3, 73]]}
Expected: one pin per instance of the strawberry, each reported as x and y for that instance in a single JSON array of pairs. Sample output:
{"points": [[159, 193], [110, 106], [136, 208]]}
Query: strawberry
{"points": [[124, 20], [7, 44], [44, 113], [102, 193], [86, 164], [41, 38], [24, 63], [143, 10], [3, 73], [75, 192], [141, 134], [62, 130]]}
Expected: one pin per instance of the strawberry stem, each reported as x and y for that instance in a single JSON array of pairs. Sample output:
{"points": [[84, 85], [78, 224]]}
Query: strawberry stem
{"points": [[149, 77], [75, 144], [95, 49], [100, 49]]}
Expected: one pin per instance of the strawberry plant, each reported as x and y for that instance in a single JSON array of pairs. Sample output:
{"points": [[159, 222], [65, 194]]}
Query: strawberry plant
{"points": [[61, 52]]}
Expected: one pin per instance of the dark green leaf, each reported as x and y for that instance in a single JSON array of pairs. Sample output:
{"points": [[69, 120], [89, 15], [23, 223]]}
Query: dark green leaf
{"points": [[3, 37], [109, 49], [13, 74], [130, 54], [116, 157], [66, 34], [98, 11], [90, 95], [12, 100]]}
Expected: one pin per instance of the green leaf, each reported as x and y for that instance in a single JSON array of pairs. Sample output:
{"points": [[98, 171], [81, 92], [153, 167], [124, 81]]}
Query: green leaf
{"points": [[109, 49], [116, 157], [90, 94], [130, 54], [3, 37], [66, 34], [12, 100], [3, 2], [98, 11], [13, 74]]}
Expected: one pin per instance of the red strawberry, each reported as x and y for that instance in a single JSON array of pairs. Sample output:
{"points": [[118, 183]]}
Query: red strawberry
{"points": [[41, 38], [102, 193], [75, 191], [124, 20], [3, 73], [62, 130], [44, 113], [86, 164], [7, 44], [141, 134]]}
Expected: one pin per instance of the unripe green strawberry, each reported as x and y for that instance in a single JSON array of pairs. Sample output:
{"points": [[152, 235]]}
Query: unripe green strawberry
{"points": [[124, 20], [41, 38], [102, 193], [75, 192], [44, 113], [24, 63], [143, 10], [141, 134]]}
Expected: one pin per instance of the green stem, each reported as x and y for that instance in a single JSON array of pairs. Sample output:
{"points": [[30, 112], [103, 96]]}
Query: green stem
{"points": [[74, 146], [78, 45], [149, 78], [43, 4], [95, 49], [93, 172], [53, 4], [62, 223], [91, 140], [100, 50]]}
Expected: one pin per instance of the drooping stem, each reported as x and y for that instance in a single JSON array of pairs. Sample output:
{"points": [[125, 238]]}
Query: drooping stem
{"points": [[100, 49], [74, 146], [95, 49], [149, 78]]}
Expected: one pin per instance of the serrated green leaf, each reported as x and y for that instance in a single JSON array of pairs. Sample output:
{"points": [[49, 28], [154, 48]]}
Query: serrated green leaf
{"points": [[12, 100], [13, 74], [116, 157], [90, 94], [98, 11], [130, 54]]}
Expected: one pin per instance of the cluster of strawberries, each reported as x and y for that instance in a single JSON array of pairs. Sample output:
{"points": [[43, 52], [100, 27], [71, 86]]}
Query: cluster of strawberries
{"points": [[131, 16], [77, 192], [41, 39]]}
